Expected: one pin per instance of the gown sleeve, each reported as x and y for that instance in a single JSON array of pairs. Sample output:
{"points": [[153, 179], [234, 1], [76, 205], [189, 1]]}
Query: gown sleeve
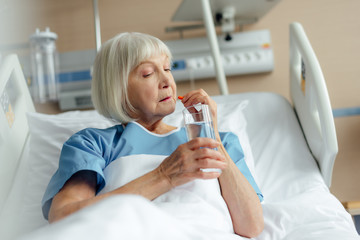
{"points": [[85, 150], [235, 151]]}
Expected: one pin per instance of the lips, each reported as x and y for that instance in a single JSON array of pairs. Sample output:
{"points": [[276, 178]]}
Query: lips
{"points": [[164, 99]]}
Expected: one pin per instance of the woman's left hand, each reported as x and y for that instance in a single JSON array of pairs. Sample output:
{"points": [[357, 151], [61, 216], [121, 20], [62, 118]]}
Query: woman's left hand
{"points": [[200, 96]]}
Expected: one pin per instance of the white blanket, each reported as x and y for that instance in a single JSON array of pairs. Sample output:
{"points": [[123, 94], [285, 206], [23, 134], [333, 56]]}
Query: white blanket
{"points": [[127, 217], [194, 210], [298, 205], [198, 203], [133, 217]]}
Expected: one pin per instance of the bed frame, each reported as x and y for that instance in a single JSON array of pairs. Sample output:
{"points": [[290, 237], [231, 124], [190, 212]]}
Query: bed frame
{"points": [[312, 106], [311, 101], [15, 101]]}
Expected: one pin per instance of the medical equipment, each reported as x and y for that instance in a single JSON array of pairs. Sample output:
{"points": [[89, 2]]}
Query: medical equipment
{"points": [[292, 171], [247, 52], [15, 96], [225, 12], [44, 65], [97, 25], [238, 53]]}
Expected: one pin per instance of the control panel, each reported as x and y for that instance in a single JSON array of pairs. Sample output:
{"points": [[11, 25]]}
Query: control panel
{"points": [[248, 52]]}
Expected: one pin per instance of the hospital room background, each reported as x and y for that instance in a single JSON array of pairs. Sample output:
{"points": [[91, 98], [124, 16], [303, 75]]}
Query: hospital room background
{"points": [[333, 27]]}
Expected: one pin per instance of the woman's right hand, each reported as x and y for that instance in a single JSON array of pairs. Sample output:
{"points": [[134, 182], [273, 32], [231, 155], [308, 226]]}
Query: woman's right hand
{"points": [[186, 162]]}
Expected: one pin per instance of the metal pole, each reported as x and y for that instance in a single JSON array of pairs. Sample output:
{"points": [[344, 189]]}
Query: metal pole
{"points": [[97, 25], [211, 33]]}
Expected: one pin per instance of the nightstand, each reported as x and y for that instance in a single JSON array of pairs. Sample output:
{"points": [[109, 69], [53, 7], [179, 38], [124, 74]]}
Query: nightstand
{"points": [[353, 207]]}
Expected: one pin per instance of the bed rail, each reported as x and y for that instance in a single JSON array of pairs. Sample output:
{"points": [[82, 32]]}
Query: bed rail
{"points": [[15, 101], [311, 101]]}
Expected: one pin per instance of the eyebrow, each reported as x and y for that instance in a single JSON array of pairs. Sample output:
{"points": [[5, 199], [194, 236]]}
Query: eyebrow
{"points": [[144, 62], [147, 61]]}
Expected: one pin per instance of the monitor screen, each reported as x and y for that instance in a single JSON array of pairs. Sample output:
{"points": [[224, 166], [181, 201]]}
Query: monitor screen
{"points": [[251, 10]]}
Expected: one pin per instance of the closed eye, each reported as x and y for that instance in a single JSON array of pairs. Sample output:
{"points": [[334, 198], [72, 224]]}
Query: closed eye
{"points": [[147, 75], [167, 70]]}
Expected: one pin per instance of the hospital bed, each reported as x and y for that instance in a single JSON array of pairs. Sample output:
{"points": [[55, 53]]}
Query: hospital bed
{"points": [[290, 150]]}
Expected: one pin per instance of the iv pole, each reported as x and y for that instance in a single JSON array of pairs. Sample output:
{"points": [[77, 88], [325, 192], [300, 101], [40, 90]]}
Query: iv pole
{"points": [[97, 25], [211, 33]]}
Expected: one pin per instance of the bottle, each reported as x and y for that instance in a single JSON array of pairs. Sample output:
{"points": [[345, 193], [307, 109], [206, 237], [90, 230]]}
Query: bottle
{"points": [[44, 66]]}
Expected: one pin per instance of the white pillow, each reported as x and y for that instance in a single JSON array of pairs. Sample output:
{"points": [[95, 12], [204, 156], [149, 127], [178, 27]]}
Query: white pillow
{"points": [[47, 135], [49, 132], [232, 119]]}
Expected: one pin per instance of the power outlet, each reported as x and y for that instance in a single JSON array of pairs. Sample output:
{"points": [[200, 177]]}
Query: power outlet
{"points": [[248, 52]]}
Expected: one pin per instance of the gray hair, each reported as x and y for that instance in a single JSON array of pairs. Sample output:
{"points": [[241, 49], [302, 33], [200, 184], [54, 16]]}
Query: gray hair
{"points": [[112, 67]]}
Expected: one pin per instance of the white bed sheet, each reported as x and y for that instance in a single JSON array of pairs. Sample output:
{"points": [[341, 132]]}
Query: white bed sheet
{"points": [[297, 205], [12, 212]]}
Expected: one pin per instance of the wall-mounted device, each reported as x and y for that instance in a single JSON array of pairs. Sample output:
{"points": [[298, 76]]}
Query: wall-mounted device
{"points": [[247, 52], [241, 53], [225, 12]]}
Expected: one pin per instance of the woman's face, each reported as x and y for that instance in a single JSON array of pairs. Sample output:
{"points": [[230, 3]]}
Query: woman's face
{"points": [[152, 89]]}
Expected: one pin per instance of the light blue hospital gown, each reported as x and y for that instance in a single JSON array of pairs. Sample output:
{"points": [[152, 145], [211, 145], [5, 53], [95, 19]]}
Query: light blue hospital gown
{"points": [[94, 149]]}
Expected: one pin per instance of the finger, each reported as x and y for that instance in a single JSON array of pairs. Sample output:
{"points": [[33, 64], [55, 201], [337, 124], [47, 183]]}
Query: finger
{"points": [[206, 175], [203, 153], [188, 95], [202, 100], [194, 97], [203, 143], [211, 163]]}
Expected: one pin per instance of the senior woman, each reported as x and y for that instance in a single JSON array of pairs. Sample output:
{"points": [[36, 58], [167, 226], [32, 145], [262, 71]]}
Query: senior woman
{"points": [[133, 85]]}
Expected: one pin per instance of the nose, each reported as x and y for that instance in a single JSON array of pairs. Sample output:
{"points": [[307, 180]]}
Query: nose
{"points": [[165, 79]]}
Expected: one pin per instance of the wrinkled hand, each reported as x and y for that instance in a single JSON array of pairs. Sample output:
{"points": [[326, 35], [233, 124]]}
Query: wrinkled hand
{"points": [[200, 96], [186, 162]]}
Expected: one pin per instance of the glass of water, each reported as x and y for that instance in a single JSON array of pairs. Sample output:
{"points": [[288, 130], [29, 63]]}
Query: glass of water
{"points": [[198, 123]]}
